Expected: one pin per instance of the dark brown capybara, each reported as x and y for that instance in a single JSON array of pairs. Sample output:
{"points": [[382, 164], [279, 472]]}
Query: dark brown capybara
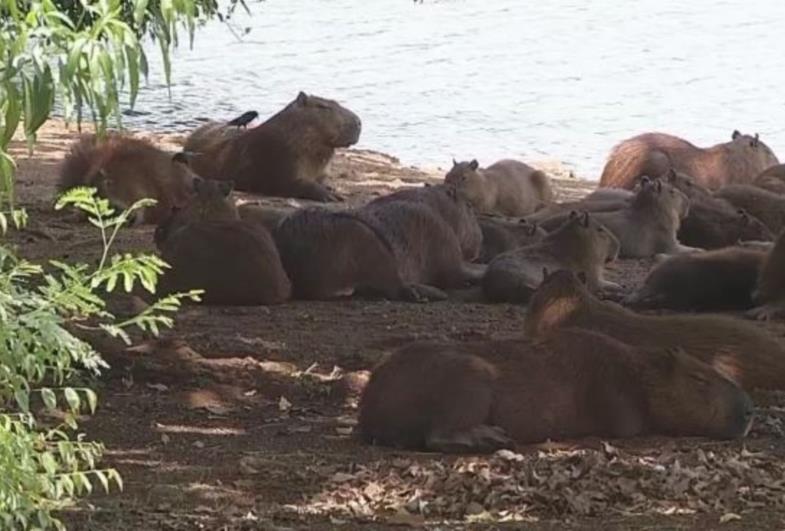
{"points": [[736, 348], [124, 170], [580, 244], [772, 179], [482, 397], [737, 161], [768, 207], [770, 293], [284, 156], [507, 187], [208, 247], [501, 234], [447, 203], [723, 279]]}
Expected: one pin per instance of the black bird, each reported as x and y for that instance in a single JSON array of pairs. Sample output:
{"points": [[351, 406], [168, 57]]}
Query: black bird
{"points": [[244, 119]]}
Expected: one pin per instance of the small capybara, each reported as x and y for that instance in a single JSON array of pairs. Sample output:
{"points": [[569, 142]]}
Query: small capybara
{"points": [[447, 203], [737, 349], [737, 161], [580, 244], [718, 280], [284, 156], [508, 187], [772, 179], [770, 293], [501, 234], [208, 247], [124, 170], [479, 398], [769, 207]]}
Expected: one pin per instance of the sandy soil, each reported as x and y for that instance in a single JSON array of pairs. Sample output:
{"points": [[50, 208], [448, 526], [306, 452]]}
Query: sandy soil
{"points": [[241, 418]]}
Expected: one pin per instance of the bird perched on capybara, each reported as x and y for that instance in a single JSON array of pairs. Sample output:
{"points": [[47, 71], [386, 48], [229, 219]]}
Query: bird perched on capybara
{"points": [[501, 234], [772, 179], [284, 156], [737, 349], [507, 187], [447, 203], [208, 247], [722, 279], [770, 292], [737, 161], [580, 244], [769, 207], [244, 119], [124, 170], [482, 397]]}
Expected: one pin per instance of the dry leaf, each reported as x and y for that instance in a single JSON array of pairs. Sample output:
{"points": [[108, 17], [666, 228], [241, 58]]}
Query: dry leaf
{"points": [[284, 405], [729, 517]]}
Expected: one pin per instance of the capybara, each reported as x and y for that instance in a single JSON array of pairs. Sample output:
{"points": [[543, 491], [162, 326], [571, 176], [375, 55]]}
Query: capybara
{"points": [[738, 349], [508, 187], [501, 234], [284, 156], [769, 207], [772, 179], [580, 244], [770, 293], [208, 247], [737, 161], [447, 203], [482, 397], [124, 170], [723, 279]]}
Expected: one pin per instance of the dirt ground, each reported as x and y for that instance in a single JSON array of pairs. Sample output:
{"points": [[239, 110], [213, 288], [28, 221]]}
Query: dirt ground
{"points": [[241, 418]]}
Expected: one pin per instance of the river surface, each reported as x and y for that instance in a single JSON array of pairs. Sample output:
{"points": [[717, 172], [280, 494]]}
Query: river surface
{"points": [[549, 80]]}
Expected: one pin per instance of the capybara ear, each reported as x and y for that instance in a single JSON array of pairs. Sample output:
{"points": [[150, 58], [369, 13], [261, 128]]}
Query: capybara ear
{"points": [[226, 187], [659, 186], [473, 165], [672, 175], [644, 181], [755, 141], [302, 98], [573, 214], [582, 277], [454, 162], [736, 134], [585, 219], [545, 274]]}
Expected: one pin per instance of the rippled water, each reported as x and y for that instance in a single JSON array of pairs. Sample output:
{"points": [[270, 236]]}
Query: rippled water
{"points": [[556, 79]]}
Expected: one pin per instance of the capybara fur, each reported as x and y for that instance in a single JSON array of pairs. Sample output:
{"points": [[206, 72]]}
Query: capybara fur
{"points": [[737, 161], [482, 397], [265, 215], [770, 292], [737, 349], [768, 207], [772, 179], [501, 234], [507, 187], [718, 280], [447, 203], [284, 156], [124, 170], [580, 244]]}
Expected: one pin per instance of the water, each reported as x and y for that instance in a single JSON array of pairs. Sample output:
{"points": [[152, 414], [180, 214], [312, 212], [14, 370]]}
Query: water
{"points": [[560, 79]]}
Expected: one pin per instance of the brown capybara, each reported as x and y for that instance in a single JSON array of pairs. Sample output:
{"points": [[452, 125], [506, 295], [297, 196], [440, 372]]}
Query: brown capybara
{"points": [[737, 349], [508, 187], [772, 179], [580, 244], [554, 214], [208, 247], [124, 170], [284, 156], [768, 207], [737, 161], [718, 280], [501, 234], [265, 215], [447, 203], [482, 397], [770, 293]]}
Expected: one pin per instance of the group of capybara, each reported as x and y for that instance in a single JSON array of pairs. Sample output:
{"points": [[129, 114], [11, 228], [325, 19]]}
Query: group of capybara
{"points": [[583, 365]]}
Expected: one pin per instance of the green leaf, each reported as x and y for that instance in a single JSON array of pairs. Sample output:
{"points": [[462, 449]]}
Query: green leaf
{"points": [[72, 398], [49, 398]]}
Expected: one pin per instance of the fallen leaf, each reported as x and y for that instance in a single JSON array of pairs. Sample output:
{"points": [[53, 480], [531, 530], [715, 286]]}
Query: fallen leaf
{"points": [[165, 438], [284, 405], [729, 517]]}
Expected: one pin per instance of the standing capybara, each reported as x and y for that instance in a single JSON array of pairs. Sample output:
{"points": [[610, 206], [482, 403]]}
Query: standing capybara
{"points": [[723, 279], [284, 156], [770, 293], [501, 234], [508, 187], [124, 170], [479, 398], [447, 203], [580, 244], [208, 247], [735, 348], [772, 179], [769, 207], [737, 161]]}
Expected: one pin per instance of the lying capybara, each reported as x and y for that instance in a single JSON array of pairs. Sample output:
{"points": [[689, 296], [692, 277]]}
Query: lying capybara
{"points": [[124, 170], [770, 293], [723, 279], [447, 203], [769, 207], [208, 247], [479, 398], [737, 161], [737, 349], [284, 156], [508, 187], [580, 244], [554, 214], [772, 179], [501, 234]]}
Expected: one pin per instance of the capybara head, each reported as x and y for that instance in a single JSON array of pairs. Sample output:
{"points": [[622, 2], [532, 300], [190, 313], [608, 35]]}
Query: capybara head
{"points": [[561, 294], [335, 124], [663, 197], [752, 229], [754, 150], [466, 178], [685, 184], [588, 238], [688, 397]]}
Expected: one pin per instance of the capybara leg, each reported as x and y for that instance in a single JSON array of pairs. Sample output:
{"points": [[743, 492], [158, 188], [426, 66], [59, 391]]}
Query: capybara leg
{"points": [[477, 439], [767, 312], [421, 293], [314, 192]]}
